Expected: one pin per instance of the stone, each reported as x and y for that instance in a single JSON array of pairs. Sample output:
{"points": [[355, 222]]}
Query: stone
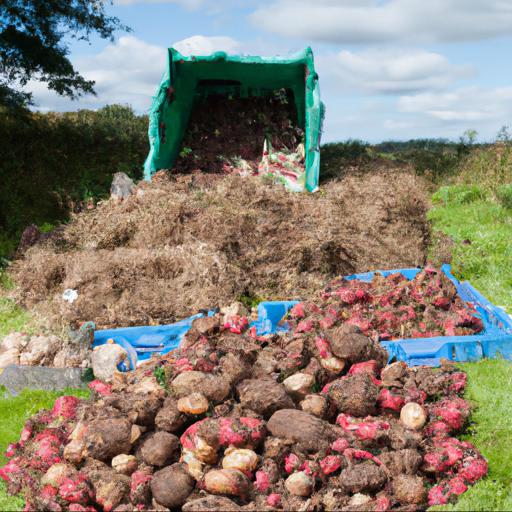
{"points": [[124, 464], [299, 385], [233, 310], [16, 378], [122, 186], [105, 359], [9, 357], [40, 350], [299, 484], [15, 340]]}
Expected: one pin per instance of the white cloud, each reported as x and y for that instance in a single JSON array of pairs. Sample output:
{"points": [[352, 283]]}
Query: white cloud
{"points": [[468, 104], [202, 45], [395, 71], [127, 71], [377, 21]]}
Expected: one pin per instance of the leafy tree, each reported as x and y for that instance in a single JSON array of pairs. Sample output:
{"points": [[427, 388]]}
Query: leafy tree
{"points": [[34, 43]]}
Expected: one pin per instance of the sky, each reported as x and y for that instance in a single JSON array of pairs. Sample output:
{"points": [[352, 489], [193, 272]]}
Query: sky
{"points": [[388, 69]]}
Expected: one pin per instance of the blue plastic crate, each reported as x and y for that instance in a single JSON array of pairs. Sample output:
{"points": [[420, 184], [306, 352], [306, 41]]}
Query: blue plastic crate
{"points": [[144, 341], [494, 341]]}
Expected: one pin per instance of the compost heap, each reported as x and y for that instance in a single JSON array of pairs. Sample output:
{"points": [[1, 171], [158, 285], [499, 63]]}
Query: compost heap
{"points": [[178, 245], [309, 420], [227, 134]]}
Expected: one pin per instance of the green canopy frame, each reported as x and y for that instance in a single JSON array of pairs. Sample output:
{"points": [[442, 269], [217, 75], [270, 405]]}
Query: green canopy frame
{"points": [[190, 77]]}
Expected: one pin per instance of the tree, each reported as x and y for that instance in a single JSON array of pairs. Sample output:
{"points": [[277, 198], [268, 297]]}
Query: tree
{"points": [[34, 43]]}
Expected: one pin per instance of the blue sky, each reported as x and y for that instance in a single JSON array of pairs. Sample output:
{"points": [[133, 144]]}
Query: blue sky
{"points": [[389, 69]]}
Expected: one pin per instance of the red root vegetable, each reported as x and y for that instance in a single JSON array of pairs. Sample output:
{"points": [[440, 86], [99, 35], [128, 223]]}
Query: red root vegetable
{"points": [[262, 482], [390, 401], [291, 463], [65, 407], [330, 464], [76, 489], [100, 387], [365, 430], [453, 412], [273, 500]]}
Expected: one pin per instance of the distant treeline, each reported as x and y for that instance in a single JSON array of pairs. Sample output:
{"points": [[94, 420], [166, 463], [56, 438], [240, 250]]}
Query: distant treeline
{"points": [[53, 162]]}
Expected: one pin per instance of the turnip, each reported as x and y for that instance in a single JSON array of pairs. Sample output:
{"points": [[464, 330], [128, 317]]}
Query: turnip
{"points": [[299, 484], [194, 404], [226, 481], [413, 416], [240, 458]]}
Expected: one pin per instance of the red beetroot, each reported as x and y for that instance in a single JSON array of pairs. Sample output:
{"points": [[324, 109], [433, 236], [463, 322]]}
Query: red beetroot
{"points": [[473, 469], [65, 407], [371, 367], [76, 489], [382, 504], [364, 430], [340, 445], [11, 450], [453, 412], [274, 499], [12, 473], [459, 380], [447, 452], [262, 483], [388, 400], [442, 493], [323, 347], [139, 487], [47, 450], [437, 428], [330, 464], [291, 463], [297, 311], [239, 432], [100, 387], [305, 326]]}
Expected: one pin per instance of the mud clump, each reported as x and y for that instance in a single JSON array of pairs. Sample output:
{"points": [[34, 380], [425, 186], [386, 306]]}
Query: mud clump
{"points": [[140, 445], [179, 244]]}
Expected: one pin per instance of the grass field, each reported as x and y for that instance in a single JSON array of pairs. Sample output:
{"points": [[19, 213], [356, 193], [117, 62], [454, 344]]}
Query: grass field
{"points": [[467, 214]]}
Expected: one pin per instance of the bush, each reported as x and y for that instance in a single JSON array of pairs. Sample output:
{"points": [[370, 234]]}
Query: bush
{"points": [[336, 156], [458, 194], [52, 162], [504, 196]]}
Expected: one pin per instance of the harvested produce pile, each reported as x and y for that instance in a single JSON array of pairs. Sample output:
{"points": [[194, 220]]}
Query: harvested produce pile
{"points": [[181, 244], [227, 135], [392, 307], [306, 421]]}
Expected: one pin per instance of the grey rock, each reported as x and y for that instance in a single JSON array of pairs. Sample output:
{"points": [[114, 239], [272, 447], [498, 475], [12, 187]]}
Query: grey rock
{"points": [[105, 358], [122, 186], [16, 378]]}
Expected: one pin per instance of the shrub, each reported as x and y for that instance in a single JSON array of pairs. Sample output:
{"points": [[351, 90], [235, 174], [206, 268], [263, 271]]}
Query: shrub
{"points": [[52, 162]]}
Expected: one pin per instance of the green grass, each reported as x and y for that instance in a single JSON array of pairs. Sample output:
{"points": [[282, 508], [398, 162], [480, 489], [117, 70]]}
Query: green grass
{"points": [[12, 317], [467, 213], [482, 233], [14, 411], [490, 390]]}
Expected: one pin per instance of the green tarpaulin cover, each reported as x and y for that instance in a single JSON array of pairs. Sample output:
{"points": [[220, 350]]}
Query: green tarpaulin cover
{"points": [[188, 78]]}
